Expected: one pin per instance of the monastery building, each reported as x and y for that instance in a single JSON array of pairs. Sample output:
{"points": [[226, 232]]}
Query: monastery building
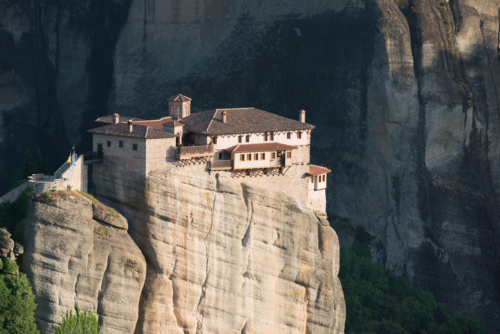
{"points": [[255, 146]]}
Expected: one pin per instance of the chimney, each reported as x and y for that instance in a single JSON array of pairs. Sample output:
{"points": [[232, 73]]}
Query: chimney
{"points": [[116, 118], [130, 126], [302, 115], [224, 117]]}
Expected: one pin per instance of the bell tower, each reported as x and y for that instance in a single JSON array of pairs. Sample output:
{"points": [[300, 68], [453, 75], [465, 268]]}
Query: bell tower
{"points": [[179, 106]]}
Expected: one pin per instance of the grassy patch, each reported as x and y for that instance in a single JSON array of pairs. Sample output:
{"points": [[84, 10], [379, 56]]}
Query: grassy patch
{"points": [[113, 212], [103, 231], [88, 196]]}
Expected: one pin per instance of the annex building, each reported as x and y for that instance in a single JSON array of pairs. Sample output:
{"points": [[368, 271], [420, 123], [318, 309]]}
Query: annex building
{"points": [[253, 145]]}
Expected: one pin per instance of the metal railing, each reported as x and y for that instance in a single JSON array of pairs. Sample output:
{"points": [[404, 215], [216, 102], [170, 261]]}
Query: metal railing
{"points": [[221, 164], [195, 150], [92, 156]]}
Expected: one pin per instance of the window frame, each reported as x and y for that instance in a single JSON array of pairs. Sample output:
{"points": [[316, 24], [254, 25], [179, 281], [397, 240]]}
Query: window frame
{"points": [[242, 157], [272, 136], [273, 155], [247, 139], [299, 134], [240, 139], [108, 143], [256, 156], [134, 147], [249, 156], [265, 136], [289, 154], [120, 143], [288, 135], [263, 156]]}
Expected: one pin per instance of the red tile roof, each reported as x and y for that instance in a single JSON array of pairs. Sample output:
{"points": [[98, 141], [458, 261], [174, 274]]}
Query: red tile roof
{"points": [[179, 98], [317, 170], [154, 123], [110, 119], [171, 124], [260, 147], [240, 120], [138, 131]]}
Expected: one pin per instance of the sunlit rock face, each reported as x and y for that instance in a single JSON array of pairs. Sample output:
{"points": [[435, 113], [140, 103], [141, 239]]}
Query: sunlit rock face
{"points": [[404, 94], [224, 257], [74, 258]]}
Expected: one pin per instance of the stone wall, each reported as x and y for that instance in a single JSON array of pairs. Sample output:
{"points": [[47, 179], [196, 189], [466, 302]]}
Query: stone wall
{"points": [[160, 153], [316, 200], [12, 195], [134, 160]]}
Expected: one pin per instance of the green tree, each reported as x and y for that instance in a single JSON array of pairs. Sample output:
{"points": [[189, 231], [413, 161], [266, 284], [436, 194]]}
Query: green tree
{"points": [[17, 305], [9, 266], [27, 166], [80, 323], [42, 166]]}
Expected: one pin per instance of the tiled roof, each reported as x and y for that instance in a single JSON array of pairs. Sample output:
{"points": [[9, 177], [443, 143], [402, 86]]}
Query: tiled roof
{"points": [[173, 123], [138, 131], [179, 98], [110, 119], [154, 123], [316, 170], [260, 147], [240, 120]]}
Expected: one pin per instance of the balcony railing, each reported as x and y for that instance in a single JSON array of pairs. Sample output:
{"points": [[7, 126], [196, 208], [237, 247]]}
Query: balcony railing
{"points": [[195, 150], [221, 164]]}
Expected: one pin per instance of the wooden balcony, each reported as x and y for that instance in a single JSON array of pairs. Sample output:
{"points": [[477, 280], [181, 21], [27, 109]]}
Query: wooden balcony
{"points": [[221, 165], [190, 152]]}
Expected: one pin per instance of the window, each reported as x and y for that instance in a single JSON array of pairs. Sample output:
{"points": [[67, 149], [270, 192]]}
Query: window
{"points": [[240, 139], [220, 156], [324, 177], [120, 144], [299, 135], [265, 136], [273, 155], [262, 156], [288, 135], [248, 138], [288, 155], [242, 157], [272, 136], [109, 143], [214, 140], [256, 156], [134, 147], [249, 157]]}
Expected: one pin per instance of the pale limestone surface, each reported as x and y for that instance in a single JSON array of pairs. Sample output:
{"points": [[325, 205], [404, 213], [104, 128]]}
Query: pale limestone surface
{"points": [[226, 257], [69, 264]]}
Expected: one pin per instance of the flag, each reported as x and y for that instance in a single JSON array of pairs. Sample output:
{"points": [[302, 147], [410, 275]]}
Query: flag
{"points": [[69, 159]]}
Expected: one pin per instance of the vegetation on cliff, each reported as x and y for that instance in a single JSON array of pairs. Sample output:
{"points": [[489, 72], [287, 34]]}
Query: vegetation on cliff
{"points": [[79, 323], [379, 302]]}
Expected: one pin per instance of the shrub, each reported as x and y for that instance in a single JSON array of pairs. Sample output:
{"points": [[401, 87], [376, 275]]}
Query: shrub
{"points": [[80, 323], [103, 231], [17, 305], [9, 266], [113, 212]]}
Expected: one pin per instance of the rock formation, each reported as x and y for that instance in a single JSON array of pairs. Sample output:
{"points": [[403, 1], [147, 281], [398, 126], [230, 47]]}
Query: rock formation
{"points": [[76, 256], [404, 93], [224, 257], [8, 247]]}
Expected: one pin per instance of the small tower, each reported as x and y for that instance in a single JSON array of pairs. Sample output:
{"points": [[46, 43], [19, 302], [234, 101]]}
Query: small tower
{"points": [[302, 115], [179, 106]]}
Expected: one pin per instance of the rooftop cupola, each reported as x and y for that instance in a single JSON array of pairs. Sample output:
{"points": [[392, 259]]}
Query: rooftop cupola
{"points": [[179, 106], [302, 115]]}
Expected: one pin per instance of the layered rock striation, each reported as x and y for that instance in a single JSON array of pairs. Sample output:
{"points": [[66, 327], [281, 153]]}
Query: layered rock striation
{"points": [[78, 253], [225, 257], [404, 93]]}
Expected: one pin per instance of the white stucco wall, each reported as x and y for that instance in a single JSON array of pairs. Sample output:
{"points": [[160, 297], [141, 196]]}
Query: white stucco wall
{"points": [[227, 141]]}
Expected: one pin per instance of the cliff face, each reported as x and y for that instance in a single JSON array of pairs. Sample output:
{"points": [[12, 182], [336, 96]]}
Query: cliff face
{"points": [[79, 254], [224, 257], [404, 93]]}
